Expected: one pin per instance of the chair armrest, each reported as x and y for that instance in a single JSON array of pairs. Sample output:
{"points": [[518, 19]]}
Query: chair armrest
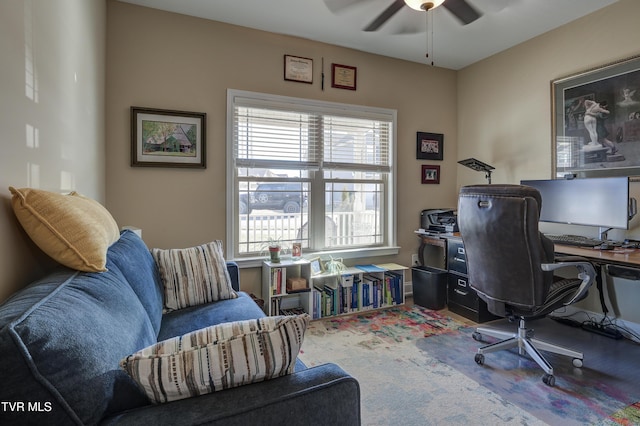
{"points": [[586, 272]]}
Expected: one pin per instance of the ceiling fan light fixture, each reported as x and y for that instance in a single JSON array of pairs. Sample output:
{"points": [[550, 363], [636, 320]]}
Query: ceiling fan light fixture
{"points": [[423, 4]]}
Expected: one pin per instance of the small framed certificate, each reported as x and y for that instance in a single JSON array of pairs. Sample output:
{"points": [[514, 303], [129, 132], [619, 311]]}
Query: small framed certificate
{"points": [[343, 76], [298, 69]]}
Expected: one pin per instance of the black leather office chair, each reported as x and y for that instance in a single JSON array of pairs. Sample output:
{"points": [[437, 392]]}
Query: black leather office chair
{"points": [[510, 265]]}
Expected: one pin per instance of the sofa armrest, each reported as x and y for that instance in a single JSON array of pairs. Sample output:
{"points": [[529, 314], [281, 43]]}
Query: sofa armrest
{"points": [[320, 395], [234, 273]]}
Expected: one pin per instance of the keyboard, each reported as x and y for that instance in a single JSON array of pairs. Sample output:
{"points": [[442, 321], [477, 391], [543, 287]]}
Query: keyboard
{"points": [[574, 240]]}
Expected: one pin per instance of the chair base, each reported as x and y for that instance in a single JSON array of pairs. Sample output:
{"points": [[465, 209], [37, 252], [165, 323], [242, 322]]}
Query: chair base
{"points": [[526, 344]]}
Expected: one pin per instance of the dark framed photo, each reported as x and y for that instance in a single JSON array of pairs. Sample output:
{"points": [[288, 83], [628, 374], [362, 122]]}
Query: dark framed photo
{"points": [[168, 138], [430, 174], [344, 76], [595, 113], [429, 146], [298, 69]]}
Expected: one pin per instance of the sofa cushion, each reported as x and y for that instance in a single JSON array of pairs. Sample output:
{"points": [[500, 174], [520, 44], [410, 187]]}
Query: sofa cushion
{"points": [[183, 321], [132, 257], [74, 230], [61, 341], [218, 357], [194, 276]]}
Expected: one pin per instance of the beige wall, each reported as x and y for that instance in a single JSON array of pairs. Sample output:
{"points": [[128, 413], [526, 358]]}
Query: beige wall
{"points": [[51, 115], [163, 60], [497, 110], [504, 109]]}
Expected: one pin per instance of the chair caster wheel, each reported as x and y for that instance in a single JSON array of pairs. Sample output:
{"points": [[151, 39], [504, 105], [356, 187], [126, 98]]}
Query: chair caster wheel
{"points": [[577, 362], [549, 380], [479, 358], [477, 336]]}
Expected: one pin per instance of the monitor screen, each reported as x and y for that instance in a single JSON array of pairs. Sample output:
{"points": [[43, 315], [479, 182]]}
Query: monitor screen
{"points": [[602, 202]]}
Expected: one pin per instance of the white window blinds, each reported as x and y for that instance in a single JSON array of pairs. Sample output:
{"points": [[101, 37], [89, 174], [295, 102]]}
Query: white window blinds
{"points": [[283, 136]]}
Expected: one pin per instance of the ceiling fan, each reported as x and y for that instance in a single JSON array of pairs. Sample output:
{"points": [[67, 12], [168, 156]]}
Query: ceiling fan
{"points": [[461, 9]]}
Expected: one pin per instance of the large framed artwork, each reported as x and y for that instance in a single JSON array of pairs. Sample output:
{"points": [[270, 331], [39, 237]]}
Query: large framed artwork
{"points": [[167, 138], [596, 121]]}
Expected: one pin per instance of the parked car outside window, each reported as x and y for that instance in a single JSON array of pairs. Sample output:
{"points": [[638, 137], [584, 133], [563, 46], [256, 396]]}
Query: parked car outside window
{"points": [[288, 197]]}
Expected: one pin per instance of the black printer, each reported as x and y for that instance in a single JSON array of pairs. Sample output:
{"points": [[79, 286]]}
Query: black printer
{"points": [[439, 220]]}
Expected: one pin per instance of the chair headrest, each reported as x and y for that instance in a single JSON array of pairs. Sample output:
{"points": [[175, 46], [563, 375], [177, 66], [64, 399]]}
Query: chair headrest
{"points": [[504, 190]]}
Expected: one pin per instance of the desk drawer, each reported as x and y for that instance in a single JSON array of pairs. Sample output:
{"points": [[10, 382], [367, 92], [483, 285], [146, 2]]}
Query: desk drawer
{"points": [[456, 257], [459, 291]]}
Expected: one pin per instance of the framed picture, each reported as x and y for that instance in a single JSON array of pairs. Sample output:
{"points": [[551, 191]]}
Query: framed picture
{"points": [[167, 138], [595, 119], [298, 69], [429, 146], [316, 266], [343, 76], [430, 174]]}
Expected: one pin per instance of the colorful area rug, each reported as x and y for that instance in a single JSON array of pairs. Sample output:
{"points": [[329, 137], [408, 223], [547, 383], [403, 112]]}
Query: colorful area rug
{"points": [[399, 383], [416, 367], [598, 393]]}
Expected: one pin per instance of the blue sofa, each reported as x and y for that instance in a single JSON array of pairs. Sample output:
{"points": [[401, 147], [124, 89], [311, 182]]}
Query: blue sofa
{"points": [[62, 337]]}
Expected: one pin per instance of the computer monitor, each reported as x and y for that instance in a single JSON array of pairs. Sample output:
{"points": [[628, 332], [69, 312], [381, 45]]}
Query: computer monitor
{"points": [[601, 202]]}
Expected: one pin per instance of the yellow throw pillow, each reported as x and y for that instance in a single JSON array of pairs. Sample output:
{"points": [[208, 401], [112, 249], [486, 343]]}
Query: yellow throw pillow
{"points": [[74, 230]]}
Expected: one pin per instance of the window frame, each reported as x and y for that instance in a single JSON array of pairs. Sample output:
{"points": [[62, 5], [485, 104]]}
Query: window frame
{"points": [[232, 196]]}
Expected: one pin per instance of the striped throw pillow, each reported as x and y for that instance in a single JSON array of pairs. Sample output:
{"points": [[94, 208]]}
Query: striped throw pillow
{"points": [[218, 357], [193, 276]]}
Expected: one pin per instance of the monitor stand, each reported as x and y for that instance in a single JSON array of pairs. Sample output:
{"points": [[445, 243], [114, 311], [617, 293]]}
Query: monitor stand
{"points": [[603, 233]]}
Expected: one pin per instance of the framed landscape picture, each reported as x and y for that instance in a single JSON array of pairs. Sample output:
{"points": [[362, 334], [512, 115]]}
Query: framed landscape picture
{"points": [[167, 138]]}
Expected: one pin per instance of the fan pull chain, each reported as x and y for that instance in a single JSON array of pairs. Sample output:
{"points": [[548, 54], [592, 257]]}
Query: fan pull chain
{"points": [[429, 20]]}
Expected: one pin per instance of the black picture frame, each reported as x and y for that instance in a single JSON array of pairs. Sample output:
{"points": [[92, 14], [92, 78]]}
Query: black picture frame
{"points": [[615, 87], [168, 138], [429, 146]]}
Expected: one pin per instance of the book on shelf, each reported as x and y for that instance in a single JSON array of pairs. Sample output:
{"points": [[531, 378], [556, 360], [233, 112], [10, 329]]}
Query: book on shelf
{"points": [[355, 295], [396, 286], [346, 293], [370, 268], [278, 280], [292, 311]]}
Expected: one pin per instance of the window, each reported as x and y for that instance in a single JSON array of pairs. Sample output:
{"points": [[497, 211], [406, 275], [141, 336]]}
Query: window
{"points": [[315, 172]]}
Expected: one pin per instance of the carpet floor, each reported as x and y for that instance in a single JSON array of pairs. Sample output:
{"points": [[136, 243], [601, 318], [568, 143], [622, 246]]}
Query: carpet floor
{"points": [[416, 367]]}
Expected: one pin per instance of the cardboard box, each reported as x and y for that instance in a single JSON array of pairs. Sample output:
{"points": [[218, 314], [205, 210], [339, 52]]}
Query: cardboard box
{"points": [[296, 284]]}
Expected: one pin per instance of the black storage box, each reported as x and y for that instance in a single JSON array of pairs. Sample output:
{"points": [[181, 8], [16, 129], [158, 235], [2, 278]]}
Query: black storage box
{"points": [[429, 287]]}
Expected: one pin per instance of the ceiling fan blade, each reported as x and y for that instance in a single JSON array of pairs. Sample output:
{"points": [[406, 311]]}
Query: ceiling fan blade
{"points": [[462, 10], [385, 15], [337, 6]]}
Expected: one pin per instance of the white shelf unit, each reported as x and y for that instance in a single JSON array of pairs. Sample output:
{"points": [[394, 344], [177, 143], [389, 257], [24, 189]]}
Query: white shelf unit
{"points": [[274, 287], [357, 290], [353, 290]]}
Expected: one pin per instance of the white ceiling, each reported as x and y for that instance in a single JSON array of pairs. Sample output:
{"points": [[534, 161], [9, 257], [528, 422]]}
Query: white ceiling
{"points": [[504, 24]]}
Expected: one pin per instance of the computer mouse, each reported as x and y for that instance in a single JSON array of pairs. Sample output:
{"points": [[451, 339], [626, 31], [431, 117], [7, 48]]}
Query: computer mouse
{"points": [[605, 246]]}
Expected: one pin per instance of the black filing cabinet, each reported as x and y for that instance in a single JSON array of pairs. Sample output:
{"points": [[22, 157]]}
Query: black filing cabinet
{"points": [[461, 298]]}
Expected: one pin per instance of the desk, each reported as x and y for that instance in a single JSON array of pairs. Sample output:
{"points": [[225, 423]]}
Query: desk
{"points": [[436, 257], [620, 262], [619, 256]]}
